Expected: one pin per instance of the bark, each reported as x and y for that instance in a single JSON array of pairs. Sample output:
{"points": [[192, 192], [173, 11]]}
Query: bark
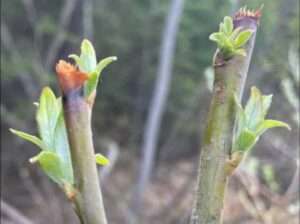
{"points": [[88, 198], [230, 77]]}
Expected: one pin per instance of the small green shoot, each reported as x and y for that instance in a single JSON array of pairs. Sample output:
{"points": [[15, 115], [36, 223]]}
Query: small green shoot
{"points": [[251, 122], [87, 62], [54, 159], [231, 41]]}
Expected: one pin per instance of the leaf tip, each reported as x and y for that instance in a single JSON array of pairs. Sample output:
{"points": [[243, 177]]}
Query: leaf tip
{"points": [[34, 159]]}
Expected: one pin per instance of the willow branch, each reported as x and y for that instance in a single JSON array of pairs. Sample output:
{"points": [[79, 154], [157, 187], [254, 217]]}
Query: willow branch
{"points": [[230, 76], [87, 197]]}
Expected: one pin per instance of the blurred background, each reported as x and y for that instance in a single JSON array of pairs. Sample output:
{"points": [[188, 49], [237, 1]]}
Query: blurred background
{"points": [[151, 106]]}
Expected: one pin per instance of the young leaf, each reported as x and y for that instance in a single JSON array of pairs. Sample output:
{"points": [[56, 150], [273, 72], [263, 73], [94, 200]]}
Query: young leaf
{"points": [[267, 124], [217, 37], [51, 165], [31, 138], [47, 115], [228, 25], [254, 109], [241, 117], [105, 62], [87, 57], [245, 141], [221, 28], [251, 123], [61, 146], [242, 38], [234, 34], [91, 84], [266, 102], [101, 160], [93, 80]]}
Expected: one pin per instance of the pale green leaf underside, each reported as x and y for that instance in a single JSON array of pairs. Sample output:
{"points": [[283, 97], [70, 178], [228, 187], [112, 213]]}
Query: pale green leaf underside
{"points": [[31, 138], [53, 135], [51, 165]]}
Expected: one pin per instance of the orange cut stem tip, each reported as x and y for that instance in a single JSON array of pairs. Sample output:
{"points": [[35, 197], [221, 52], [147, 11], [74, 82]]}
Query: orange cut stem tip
{"points": [[244, 12], [70, 78]]}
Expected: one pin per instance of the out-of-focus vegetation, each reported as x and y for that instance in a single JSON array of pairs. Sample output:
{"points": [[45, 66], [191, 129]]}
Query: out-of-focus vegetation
{"points": [[34, 34]]}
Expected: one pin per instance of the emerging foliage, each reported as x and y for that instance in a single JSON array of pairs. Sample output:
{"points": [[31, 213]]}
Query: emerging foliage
{"points": [[55, 159], [251, 122], [87, 62], [230, 41]]}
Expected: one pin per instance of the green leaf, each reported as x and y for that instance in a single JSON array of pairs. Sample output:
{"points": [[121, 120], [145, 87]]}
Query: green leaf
{"points": [[245, 141], [221, 28], [267, 124], [47, 115], [87, 59], [217, 37], [254, 109], [51, 165], [241, 117], [31, 138], [101, 160], [105, 62], [91, 84], [62, 149], [234, 34], [266, 102], [242, 38], [88, 56], [228, 25], [93, 80]]}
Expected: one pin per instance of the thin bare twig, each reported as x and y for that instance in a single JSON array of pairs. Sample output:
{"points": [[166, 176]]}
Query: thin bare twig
{"points": [[14, 213], [58, 40], [8, 43]]}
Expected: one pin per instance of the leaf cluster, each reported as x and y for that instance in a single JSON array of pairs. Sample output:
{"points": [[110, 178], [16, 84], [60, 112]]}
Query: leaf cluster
{"points": [[251, 122], [230, 41], [55, 156], [87, 62]]}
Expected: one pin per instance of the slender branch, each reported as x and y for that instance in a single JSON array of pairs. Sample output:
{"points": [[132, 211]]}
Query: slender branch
{"points": [[88, 199], [30, 11], [86, 193], [14, 214], [230, 76], [9, 44], [58, 40], [87, 19], [158, 101]]}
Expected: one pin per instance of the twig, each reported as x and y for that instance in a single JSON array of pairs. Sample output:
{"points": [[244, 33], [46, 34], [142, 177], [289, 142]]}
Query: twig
{"points": [[86, 196], [230, 77], [65, 18], [14, 213], [9, 44]]}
